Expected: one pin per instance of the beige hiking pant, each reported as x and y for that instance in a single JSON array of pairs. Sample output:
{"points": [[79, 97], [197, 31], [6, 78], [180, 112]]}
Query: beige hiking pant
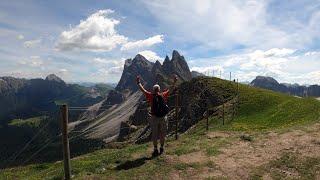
{"points": [[158, 127]]}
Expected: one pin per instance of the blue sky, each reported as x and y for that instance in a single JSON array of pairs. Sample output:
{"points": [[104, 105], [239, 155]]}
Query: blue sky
{"points": [[90, 40]]}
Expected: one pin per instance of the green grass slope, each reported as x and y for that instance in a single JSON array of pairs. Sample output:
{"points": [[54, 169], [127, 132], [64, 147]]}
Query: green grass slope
{"points": [[31, 122], [259, 110], [263, 110]]}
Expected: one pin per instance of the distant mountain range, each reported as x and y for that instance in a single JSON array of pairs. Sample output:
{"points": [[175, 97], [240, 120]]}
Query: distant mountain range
{"points": [[292, 89], [28, 105], [92, 84], [22, 98]]}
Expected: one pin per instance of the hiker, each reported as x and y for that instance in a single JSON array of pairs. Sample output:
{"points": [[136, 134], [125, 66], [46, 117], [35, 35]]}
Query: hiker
{"points": [[159, 109]]}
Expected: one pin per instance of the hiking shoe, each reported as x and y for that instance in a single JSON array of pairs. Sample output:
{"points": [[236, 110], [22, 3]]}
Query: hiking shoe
{"points": [[155, 153], [161, 150]]}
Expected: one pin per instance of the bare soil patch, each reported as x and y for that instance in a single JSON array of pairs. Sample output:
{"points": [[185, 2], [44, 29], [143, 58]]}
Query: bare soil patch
{"points": [[238, 159], [218, 134], [194, 157]]}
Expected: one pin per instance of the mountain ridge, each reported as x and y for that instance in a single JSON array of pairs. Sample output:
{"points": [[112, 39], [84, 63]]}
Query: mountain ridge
{"points": [[127, 91], [292, 89]]}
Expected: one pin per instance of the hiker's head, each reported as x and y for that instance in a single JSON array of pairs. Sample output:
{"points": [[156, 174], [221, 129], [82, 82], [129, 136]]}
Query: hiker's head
{"points": [[156, 88]]}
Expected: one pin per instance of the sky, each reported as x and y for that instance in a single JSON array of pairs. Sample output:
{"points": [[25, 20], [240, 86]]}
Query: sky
{"points": [[89, 40]]}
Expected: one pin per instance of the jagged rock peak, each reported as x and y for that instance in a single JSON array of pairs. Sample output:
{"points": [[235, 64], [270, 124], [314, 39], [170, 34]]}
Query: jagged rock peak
{"points": [[139, 57], [175, 54], [157, 64], [167, 59], [141, 60], [53, 77], [128, 62]]}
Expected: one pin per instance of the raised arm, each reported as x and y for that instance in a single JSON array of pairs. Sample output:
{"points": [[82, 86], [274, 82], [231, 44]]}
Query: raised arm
{"points": [[173, 85], [140, 85], [175, 78]]}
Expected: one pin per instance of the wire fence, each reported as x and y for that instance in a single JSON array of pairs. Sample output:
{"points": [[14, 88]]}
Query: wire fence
{"points": [[15, 155], [30, 142], [47, 143], [215, 111]]}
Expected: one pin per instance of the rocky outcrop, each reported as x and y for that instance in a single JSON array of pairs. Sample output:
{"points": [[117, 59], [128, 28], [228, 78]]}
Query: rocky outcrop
{"points": [[132, 68], [125, 104], [178, 66], [114, 97], [152, 72]]}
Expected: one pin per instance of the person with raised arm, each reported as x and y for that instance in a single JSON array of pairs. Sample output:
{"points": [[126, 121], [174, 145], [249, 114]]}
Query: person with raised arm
{"points": [[159, 109]]}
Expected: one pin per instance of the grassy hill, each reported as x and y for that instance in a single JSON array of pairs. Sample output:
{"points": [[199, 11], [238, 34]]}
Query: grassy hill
{"points": [[273, 135], [264, 110]]}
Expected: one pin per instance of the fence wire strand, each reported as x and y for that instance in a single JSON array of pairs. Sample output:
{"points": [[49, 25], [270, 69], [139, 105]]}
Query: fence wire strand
{"points": [[82, 132]]}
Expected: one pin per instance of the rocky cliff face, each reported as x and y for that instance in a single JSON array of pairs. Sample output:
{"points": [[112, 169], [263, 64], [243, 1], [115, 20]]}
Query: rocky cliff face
{"points": [[133, 67], [127, 101], [177, 65], [150, 73], [153, 72], [293, 89]]}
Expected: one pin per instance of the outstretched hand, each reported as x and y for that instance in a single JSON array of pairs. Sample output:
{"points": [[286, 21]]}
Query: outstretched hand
{"points": [[175, 78], [138, 79]]}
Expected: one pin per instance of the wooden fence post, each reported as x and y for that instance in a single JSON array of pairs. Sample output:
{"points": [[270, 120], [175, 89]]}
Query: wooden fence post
{"points": [[176, 113], [238, 88], [233, 110], [207, 116], [223, 114], [65, 141]]}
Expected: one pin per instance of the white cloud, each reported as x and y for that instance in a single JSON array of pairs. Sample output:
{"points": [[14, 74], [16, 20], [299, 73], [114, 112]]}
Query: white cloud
{"points": [[23, 74], [100, 60], [20, 37], [274, 52], [63, 70], [283, 64], [105, 72], [105, 62], [98, 33], [107, 67], [150, 55], [226, 24], [270, 60], [32, 43], [312, 53], [32, 61], [63, 73], [143, 43]]}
